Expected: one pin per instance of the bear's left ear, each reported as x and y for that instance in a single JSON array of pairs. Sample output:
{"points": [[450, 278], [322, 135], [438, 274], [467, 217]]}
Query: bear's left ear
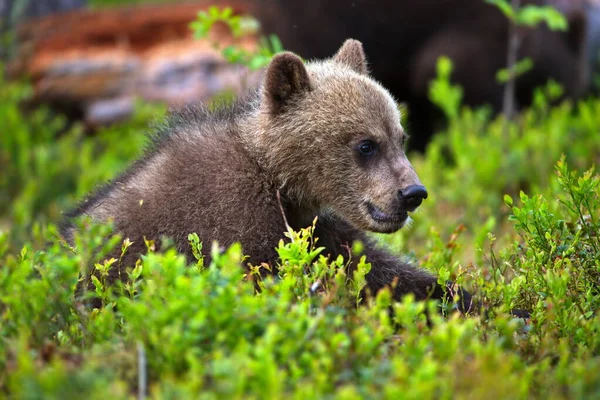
{"points": [[285, 79], [352, 55]]}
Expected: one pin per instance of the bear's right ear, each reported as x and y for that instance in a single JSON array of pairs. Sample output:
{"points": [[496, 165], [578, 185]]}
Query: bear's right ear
{"points": [[352, 55], [285, 79]]}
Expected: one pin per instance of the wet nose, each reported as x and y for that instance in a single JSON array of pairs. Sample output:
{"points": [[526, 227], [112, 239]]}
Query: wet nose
{"points": [[413, 196]]}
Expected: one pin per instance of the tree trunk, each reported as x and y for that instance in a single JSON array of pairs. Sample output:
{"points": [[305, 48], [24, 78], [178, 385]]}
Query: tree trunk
{"points": [[514, 43]]}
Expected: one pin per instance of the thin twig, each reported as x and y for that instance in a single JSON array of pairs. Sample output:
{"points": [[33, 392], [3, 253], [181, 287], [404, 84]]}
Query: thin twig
{"points": [[285, 221], [142, 372]]}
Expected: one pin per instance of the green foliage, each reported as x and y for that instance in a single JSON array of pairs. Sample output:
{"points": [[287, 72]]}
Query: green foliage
{"points": [[532, 15], [560, 256], [470, 166], [239, 26], [505, 7], [206, 330], [215, 330], [268, 47], [46, 165], [522, 66], [527, 16], [442, 93]]}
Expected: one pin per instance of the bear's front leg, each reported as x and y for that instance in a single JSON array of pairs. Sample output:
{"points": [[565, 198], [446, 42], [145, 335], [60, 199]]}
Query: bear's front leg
{"points": [[337, 236], [387, 270]]}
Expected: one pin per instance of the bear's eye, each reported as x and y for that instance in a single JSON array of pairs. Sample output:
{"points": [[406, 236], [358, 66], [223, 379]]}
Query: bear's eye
{"points": [[367, 147]]}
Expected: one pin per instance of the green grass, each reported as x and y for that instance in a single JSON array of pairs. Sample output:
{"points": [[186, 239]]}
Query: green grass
{"points": [[202, 331]]}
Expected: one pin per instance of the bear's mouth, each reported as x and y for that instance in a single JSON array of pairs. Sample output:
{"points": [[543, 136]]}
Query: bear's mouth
{"points": [[382, 217]]}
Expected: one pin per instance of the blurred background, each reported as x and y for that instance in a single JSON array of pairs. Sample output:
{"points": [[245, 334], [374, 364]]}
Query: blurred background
{"points": [[89, 59], [512, 215], [82, 80]]}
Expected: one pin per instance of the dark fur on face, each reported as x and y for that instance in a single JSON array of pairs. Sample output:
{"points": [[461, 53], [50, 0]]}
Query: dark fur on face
{"points": [[324, 135]]}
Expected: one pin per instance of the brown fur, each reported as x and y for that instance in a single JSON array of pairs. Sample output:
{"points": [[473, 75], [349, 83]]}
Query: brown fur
{"points": [[218, 173]]}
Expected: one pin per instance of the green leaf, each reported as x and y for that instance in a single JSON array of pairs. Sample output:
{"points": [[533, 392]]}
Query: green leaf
{"points": [[521, 67], [97, 284], [442, 92], [503, 6], [137, 271], [214, 12], [226, 13], [276, 45], [531, 15]]}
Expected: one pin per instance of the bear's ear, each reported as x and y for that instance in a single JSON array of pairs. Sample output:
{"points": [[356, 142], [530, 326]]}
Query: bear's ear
{"points": [[286, 78], [352, 55]]}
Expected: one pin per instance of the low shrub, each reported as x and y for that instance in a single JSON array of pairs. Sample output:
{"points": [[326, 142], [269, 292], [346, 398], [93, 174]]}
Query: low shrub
{"points": [[178, 330]]}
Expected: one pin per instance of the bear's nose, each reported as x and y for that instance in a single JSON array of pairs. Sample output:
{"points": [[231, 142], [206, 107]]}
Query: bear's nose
{"points": [[413, 196]]}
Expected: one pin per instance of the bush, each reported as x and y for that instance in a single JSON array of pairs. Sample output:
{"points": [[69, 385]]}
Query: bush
{"points": [[177, 330], [204, 330], [46, 166], [471, 166]]}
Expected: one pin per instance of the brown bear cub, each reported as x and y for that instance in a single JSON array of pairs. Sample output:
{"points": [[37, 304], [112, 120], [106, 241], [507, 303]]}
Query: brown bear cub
{"points": [[323, 135]]}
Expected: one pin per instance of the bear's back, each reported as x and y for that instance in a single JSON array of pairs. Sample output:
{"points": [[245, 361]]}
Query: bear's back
{"points": [[198, 178]]}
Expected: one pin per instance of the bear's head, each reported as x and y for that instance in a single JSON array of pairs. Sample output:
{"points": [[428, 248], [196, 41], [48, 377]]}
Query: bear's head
{"points": [[332, 137]]}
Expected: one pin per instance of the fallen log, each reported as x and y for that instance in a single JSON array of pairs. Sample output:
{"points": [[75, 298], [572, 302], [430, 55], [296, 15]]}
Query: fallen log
{"points": [[95, 63]]}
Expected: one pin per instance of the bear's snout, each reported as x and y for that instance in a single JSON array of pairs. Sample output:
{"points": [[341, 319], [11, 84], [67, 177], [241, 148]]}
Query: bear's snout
{"points": [[412, 196]]}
